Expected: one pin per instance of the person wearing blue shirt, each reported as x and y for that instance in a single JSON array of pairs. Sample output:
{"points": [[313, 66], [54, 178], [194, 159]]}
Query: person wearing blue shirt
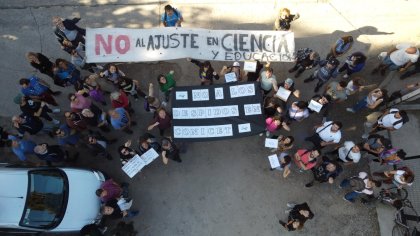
{"points": [[171, 17], [120, 120], [37, 88], [66, 135], [21, 147]]}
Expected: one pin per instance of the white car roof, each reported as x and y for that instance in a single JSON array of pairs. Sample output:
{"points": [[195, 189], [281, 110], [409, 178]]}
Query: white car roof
{"points": [[13, 189]]}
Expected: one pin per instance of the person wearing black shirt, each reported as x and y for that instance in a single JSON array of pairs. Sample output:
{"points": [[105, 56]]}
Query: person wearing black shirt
{"points": [[298, 215], [327, 171], [206, 72], [113, 211]]}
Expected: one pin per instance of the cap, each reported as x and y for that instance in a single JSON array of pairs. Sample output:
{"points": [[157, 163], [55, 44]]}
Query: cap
{"points": [[333, 62], [236, 64], [17, 99], [289, 81]]}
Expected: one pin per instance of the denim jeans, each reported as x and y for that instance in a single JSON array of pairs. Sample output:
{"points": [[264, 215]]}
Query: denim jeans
{"points": [[360, 104], [351, 196]]}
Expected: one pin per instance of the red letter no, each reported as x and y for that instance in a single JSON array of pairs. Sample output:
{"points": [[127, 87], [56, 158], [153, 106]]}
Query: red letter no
{"points": [[126, 41], [107, 45]]}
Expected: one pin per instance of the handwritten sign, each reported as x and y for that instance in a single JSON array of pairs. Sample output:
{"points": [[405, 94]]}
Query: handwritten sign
{"points": [[274, 161], [243, 128], [283, 93], [205, 112], [181, 95], [315, 106], [243, 90], [169, 43], [252, 109], [230, 77], [200, 95], [135, 164], [271, 143], [218, 93], [250, 66]]}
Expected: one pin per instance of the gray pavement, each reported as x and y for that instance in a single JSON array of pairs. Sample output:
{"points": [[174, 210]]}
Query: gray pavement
{"points": [[225, 187]]}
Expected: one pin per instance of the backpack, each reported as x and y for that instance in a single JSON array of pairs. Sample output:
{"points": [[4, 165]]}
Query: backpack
{"points": [[358, 184], [404, 118]]}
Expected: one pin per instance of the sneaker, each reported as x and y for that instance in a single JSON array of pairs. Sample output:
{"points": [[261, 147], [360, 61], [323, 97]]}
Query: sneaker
{"points": [[290, 205], [273, 150], [383, 72], [374, 71], [308, 185], [56, 122], [347, 200], [307, 80], [267, 133], [365, 136], [56, 110], [164, 104], [171, 72], [350, 110], [345, 76], [292, 70], [271, 169], [261, 134], [56, 93]]}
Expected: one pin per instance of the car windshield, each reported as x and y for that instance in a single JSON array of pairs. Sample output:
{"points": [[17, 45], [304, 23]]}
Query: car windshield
{"points": [[46, 199]]}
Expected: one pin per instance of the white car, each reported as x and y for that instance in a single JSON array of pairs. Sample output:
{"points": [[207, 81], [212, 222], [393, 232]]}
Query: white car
{"points": [[48, 199]]}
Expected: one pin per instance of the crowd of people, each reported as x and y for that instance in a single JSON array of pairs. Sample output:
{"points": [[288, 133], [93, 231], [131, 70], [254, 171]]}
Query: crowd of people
{"points": [[95, 111]]}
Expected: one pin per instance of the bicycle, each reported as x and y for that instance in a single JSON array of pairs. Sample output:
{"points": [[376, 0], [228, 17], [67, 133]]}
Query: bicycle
{"points": [[404, 215], [390, 196]]}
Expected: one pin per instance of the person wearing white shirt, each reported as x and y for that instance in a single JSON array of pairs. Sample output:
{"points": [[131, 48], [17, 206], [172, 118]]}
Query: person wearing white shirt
{"points": [[391, 120], [326, 134], [401, 177], [399, 58], [360, 184], [348, 153]]}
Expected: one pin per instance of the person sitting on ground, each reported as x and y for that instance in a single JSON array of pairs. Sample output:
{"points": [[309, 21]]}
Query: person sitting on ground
{"points": [[360, 185], [298, 215], [326, 171], [285, 161], [399, 94], [371, 101], [171, 17], [284, 20], [111, 73], [166, 84], [206, 72], [147, 142], [306, 159], [354, 63], [327, 70], [306, 59], [400, 57], [326, 134], [341, 47], [401, 177]]}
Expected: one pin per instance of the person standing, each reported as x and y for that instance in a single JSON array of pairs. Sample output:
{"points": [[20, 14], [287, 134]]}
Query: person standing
{"points": [[306, 59], [52, 153], [109, 190], [162, 120], [121, 120], [170, 151], [354, 63], [349, 153], [98, 144], [327, 171], [268, 81], [326, 134], [361, 184], [298, 215], [26, 123], [33, 107], [37, 88], [341, 47], [371, 101], [40, 62], [284, 20], [285, 162], [206, 72], [166, 83], [21, 147], [171, 17], [68, 30], [327, 70], [400, 57]]}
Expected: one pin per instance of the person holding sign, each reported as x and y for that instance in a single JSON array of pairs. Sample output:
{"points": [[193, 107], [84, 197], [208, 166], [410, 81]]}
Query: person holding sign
{"points": [[206, 72], [268, 81], [285, 161], [172, 17], [321, 105], [284, 143], [147, 142], [235, 68], [126, 153]]}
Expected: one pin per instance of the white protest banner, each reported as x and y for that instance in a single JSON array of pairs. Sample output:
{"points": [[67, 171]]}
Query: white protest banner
{"points": [[169, 43], [250, 66], [315, 106], [274, 161], [230, 77], [283, 93], [271, 143]]}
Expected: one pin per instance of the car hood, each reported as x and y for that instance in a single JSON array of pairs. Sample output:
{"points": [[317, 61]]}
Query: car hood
{"points": [[83, 205], [14, 187]]}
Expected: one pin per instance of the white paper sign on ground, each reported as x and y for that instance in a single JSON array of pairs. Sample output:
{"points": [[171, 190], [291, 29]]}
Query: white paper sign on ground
{"points": [[186, 113], [218, 93], [181, 95], [243, 90], [243, 128], [274, 161], [230, 77], [200, 95], [315, 106], [271, 143], [203, 131], [252, 109], [250, 66], [283, 93], [135, 164]]}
